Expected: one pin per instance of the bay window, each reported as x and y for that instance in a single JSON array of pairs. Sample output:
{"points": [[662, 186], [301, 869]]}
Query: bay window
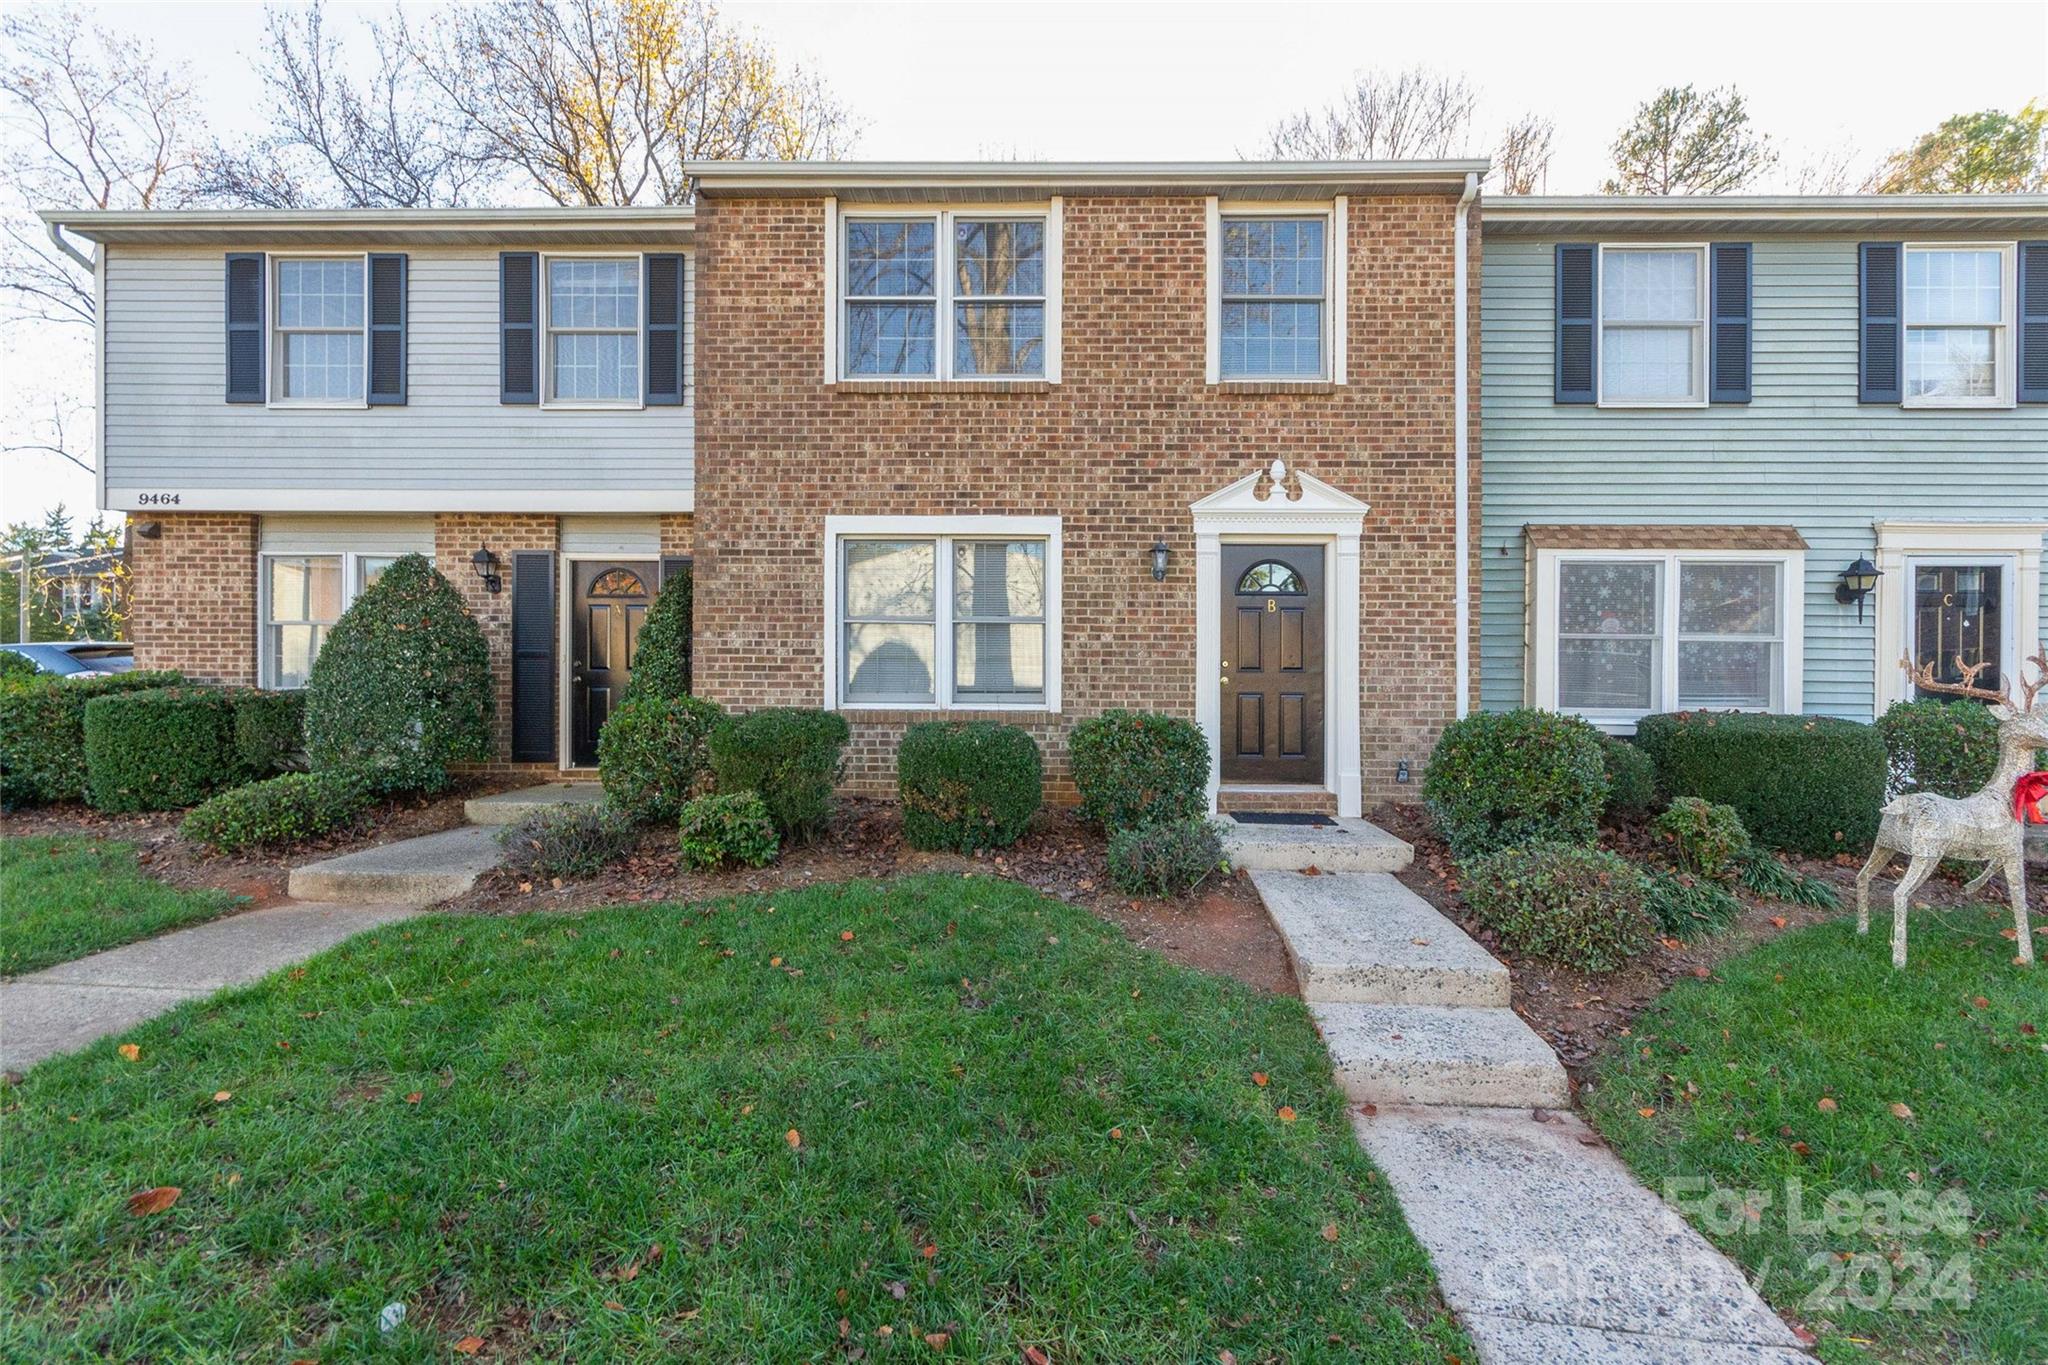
{"points": [[947, 294], [1653, 326], [1958, 304]]}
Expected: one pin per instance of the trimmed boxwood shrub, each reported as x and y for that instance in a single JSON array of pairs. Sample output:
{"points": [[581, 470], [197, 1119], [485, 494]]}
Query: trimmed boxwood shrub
{"points": [[160, 750], [718, 830], [1166, 857], [1946, 747], [790, 756], [283, 810], [568, 841], [42, 733], [403, 681], [270, 730], [1806, 784], [1707, 838], [1582, 907], [1498, 779], [968, 787], [1139, 767], [1631, 778], [652, 754], [661, 660]]}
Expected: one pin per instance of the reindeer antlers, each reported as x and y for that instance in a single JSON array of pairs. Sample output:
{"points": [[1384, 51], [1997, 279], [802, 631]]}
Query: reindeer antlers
{"points": [[2029, 690], [1924, 679]]}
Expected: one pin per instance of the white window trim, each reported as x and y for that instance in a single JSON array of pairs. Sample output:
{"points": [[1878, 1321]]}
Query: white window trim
{"points": [[1703, 327], [1901, 545], [1336, 216], [351, 588], [2004, 356], [1050, 211], [545, 360], [273, 334], [1791, 620], [838, 529]]}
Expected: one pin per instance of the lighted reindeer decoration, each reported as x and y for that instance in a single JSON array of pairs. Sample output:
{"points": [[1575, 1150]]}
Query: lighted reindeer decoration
{"points": [[1927, 828]]}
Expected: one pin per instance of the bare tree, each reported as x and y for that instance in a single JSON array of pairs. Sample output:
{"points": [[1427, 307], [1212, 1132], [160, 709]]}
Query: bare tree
{"points": [[95, 122], [1689, 141], [1385, 116], [602, 101], [1831, 170], [381, 141], [1521, 159]]}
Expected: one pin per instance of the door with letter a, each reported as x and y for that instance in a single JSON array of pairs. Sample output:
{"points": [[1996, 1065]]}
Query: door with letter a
{"points": [[609, 601], [1272, 684]]}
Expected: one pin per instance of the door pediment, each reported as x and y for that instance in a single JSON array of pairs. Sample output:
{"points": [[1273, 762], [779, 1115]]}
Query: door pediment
{"points": [[1278, 494]]}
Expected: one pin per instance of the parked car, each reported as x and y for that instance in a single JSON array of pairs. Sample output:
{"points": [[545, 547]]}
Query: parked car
{"points": [[78, 658]]}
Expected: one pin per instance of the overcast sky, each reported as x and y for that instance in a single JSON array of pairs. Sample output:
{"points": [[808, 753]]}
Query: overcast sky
{"points": [[1192, 81]]}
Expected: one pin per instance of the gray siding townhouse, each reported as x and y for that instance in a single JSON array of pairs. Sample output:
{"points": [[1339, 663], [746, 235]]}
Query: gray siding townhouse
{"points": [[1707, 421]]}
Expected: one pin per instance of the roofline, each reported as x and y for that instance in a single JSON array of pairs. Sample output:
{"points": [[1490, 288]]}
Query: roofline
{"points": [[1791, 211], [928, 176], [100, 225]]}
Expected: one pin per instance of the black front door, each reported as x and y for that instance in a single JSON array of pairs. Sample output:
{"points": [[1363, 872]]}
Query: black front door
{"points": [[1272, 634], [1959, 610], [610, 602]]}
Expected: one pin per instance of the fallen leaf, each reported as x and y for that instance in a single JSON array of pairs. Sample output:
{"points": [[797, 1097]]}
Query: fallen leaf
{"points": [[897, 1289], [1329, 1232], [937, 1340], [1900, 1111], [1226, 1358], [1286, 1113], [153, 1201], [1647, 1113], [413, 1098], [615, 1305], [130, 1051], [1701, 972], [1802, 1149], [1116, 1133], [931, 1250], [1779, 921], [1980, 1002], [1034, 1356], [846, 935], [793, 1138], [1094, 1220], [1826, 1105], [1258, 1078], [469, 1346], [223, 1096]]}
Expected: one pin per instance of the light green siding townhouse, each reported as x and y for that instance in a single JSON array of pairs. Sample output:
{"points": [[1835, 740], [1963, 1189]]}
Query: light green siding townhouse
{"points": [[1705, 420]]}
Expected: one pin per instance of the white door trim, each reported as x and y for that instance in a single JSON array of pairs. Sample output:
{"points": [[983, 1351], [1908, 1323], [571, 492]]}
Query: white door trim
{"points": [[1259, 509], [2014, 546]]}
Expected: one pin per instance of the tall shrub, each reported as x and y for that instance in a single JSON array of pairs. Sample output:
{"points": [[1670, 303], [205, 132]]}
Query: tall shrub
{"points": [[1945, 747], [1139, 768], [661, 661], [652, 754], [968, 787], [787, 754], [162, 749], [1806, 784], [1498, 779], [270, 729], [42, 733], [403, 681]]}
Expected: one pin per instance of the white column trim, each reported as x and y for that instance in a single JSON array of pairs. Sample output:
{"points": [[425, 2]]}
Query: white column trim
{"points": [[1900, 543], [1212, 354], [1055, 285], [1340, 291], [831, 290]]}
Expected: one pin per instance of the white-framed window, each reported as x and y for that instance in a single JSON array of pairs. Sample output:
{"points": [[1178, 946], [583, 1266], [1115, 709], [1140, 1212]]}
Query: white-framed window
{"points": [[319, 341], [945, 613], [300, 597], [1946, 588], [1959, 305], [592, 308], [1276, 286], [1621, 634], [1653, 326], [969, 293]]}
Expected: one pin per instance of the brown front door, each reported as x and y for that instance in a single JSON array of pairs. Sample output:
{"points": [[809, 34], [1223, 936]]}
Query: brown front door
{"points": [[610, 602], [1272, 633], [1959, 611]]}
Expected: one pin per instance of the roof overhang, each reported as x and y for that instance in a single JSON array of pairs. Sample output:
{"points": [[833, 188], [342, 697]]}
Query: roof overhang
{"points": [[956, 180], [1546, 215], [379, 227]]}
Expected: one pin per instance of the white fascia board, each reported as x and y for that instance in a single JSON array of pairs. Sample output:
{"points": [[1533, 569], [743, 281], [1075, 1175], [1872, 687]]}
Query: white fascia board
{"points": [[1073, 175], [408, 225], [338, 500]]}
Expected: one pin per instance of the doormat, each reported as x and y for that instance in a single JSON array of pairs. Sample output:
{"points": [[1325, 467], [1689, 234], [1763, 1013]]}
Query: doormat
{"points": [[1312, 819]]}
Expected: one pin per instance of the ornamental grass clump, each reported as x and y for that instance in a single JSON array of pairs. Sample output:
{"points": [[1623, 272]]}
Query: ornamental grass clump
{"points": [[568, 841]]}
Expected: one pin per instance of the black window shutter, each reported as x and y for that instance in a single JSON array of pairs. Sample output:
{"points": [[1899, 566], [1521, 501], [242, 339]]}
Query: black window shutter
{"points": [[533, 657], [245, 290], [387, 330], [678, 575], [518, 325], [1879, 289], [1731, 291], [2033, 386], [1576, 365], [664, 329]]}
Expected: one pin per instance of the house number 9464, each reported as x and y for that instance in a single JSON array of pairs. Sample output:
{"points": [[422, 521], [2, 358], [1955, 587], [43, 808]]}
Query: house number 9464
{"points": [[158, 499]]}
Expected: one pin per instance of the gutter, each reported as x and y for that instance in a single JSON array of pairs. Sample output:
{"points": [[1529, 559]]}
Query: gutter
{"points": [[1461, 463], [56, 231]]}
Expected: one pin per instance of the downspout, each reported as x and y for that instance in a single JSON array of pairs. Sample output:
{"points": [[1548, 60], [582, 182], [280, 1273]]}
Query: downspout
{"points": [[56, 232], [1461, 464]]}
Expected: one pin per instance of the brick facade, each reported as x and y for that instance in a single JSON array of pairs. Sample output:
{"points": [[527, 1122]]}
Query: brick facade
{"points": [[192, 595], [1118, 450]]}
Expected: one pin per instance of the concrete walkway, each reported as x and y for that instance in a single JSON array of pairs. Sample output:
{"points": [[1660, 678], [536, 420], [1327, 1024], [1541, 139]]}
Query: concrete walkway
{"points": [[416, 872], [63, 1008], [1545, 1246]]}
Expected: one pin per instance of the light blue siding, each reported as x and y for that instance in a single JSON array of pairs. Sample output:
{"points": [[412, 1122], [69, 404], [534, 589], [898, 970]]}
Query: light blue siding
{"points": [[1802, 453]]}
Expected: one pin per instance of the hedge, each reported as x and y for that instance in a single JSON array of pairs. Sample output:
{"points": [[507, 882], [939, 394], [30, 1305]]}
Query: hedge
{"points": [[160, 750], [14, 664], [661, 658], [1631, 778], [283, 810], [1583, 907], [652, 754], [787, 754], [968, 787], [270, 730], [42, 733], [1945, 747], [1805, 784], [1498, 779], [1138, 768]]}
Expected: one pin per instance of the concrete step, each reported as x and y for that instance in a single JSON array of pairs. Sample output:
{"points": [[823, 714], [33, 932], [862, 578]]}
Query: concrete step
{"points": [[413, 872], [1440, 1054], [1346, 846], [1365, 938], [509, 808]]}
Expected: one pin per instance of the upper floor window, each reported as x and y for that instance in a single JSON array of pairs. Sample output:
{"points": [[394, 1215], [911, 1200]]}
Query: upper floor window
{"points": [[946, 295], [1653, 326], [319, 334], [1275, 293], [593, 326], [1958, 303]]}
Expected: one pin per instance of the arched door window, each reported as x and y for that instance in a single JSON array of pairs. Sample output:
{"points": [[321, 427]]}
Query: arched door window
{"points": [[1272, 577]]}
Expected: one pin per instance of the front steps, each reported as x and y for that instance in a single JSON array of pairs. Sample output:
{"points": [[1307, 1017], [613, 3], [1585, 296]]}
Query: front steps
{"points": [[1440, 1054], [1342, 846], [410, 872], [509, 808]]}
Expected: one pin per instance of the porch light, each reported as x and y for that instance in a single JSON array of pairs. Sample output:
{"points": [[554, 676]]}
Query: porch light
{"points": [[1859, 580], [1159, 557], [486, 565]]}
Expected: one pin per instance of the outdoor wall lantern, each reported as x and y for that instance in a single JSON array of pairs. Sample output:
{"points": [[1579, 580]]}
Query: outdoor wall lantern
{"points": [[1159, 557], [1859, 580], [486, 565], [150, 530]]}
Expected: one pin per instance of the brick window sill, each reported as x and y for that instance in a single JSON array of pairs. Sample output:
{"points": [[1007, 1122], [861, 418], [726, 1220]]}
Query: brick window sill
{"points": [[1273, 387], [923, 387]]}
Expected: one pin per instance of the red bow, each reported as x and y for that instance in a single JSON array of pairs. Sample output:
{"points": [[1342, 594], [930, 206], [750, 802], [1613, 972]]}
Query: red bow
{"points": [[2027, 795]]}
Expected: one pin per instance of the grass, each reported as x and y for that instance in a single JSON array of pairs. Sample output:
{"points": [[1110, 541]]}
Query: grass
{"points": [[850, 1117], [64, 897], [1723, 1082]]}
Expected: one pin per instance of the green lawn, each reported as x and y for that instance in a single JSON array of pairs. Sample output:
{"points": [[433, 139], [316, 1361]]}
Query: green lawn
{"points": [[984, 1114], [61, 898], [1736, 1069]]}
